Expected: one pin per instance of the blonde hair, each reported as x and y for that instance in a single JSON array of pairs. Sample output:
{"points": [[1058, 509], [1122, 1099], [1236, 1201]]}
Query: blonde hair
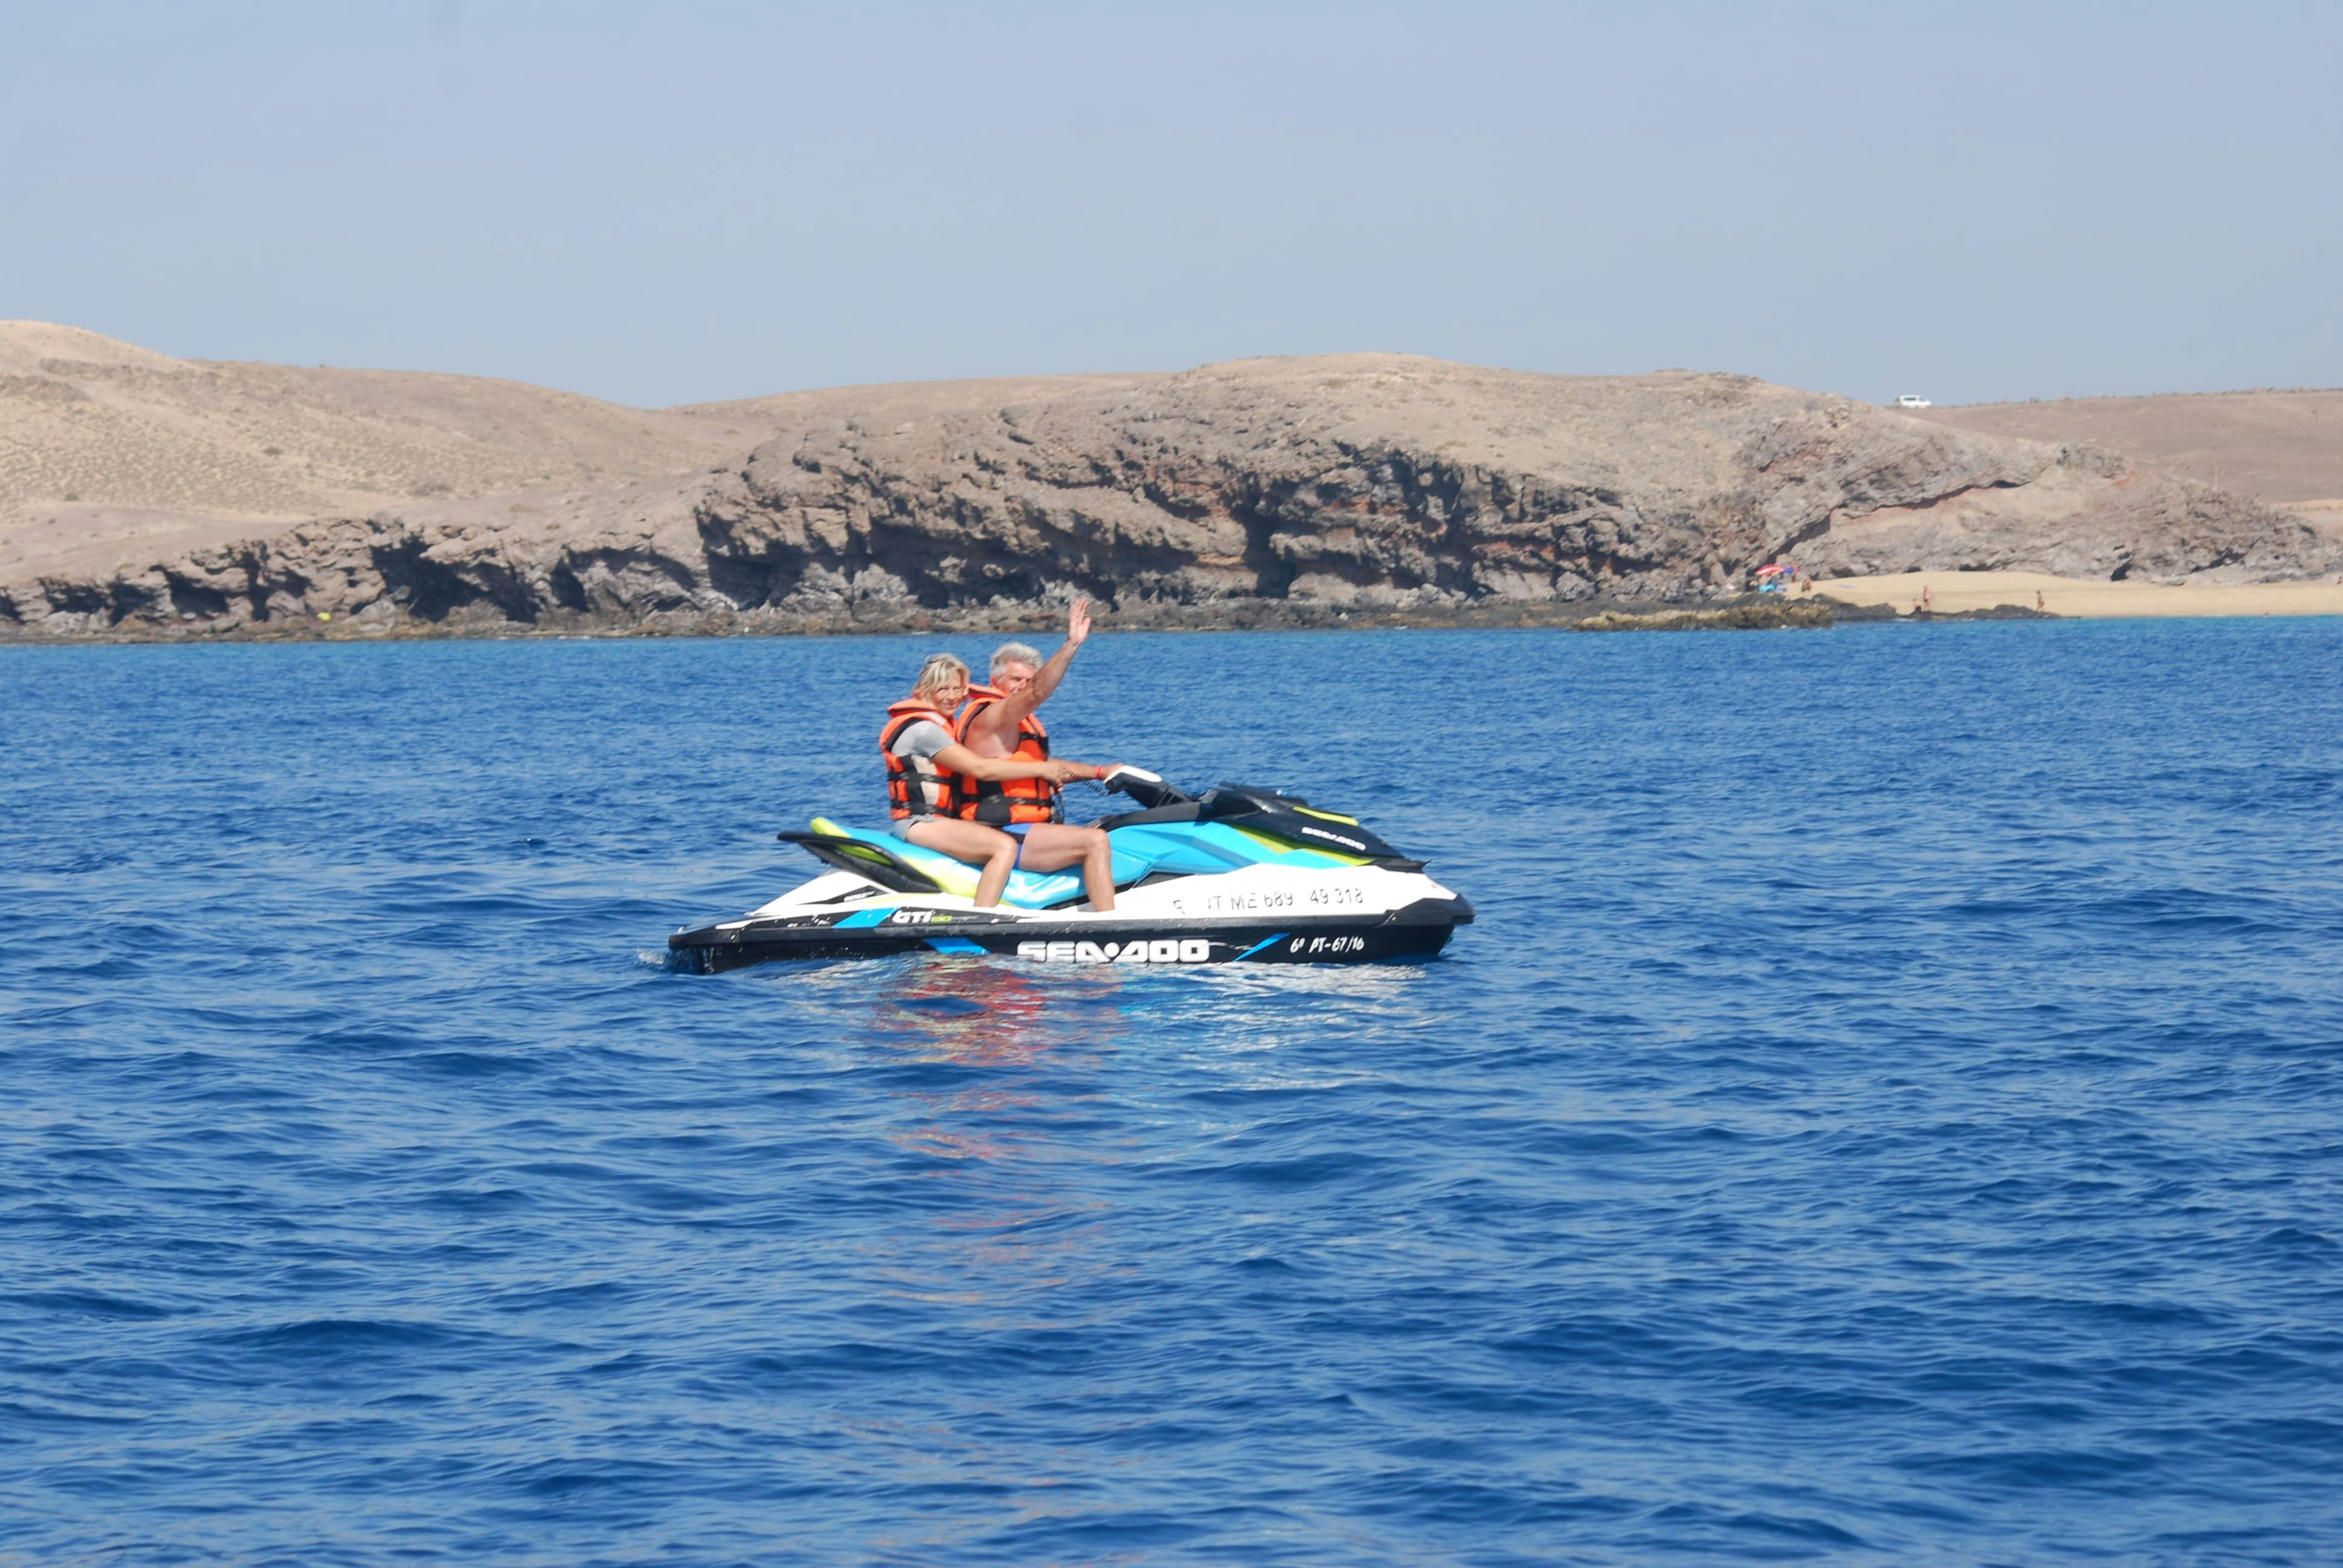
{"points": [[940, 670]]}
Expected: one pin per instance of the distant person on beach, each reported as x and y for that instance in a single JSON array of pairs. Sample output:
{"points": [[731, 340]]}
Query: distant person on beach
{"points": [[999, 721], [2037, 600], [1928, 599], [927, 770]]}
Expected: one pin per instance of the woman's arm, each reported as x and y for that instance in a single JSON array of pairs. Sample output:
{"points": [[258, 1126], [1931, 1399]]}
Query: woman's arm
{"points": [[958, 759]]}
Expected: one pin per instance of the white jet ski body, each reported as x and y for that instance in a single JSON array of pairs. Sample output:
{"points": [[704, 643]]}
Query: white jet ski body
{"points": [[1239, 875]]}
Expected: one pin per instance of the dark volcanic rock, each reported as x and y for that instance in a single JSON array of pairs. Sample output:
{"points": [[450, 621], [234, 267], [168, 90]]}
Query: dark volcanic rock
{"points": [[1773, 615], [1991, 612], [1292, 491]]}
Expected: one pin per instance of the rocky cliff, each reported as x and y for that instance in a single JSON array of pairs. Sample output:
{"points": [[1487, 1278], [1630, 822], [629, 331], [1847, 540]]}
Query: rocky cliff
{"points": [[1244, 493]]}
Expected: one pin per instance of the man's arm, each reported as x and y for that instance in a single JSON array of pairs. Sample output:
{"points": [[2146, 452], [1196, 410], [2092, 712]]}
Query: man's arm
{"points": [[1000, 721]]}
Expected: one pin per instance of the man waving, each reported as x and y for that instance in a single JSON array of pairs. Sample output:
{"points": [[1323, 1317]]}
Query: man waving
{"points": [[998, 721]]}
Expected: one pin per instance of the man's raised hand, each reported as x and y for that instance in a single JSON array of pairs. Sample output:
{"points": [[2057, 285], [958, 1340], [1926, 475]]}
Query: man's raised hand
{"points": [[1078, 622]]}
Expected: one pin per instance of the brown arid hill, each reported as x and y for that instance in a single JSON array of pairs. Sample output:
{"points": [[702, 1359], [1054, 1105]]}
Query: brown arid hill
{"points": [[109, 448], [2282, 448], [1268, 491]]}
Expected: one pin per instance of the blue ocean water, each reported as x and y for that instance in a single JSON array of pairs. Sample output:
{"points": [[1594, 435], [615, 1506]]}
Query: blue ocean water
{"points": [[1888, 1110]]}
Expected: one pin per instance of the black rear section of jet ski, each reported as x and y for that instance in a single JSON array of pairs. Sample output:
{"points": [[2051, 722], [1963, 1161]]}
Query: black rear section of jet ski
{"points": [[867, 860]]}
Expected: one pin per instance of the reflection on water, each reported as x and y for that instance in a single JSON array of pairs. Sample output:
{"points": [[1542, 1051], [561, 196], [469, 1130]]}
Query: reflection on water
{"points": [[982, 1010], [989, 1146]]}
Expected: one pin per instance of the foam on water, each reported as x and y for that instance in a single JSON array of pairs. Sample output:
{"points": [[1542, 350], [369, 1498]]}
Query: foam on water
{"points": [[1887, 1110]]}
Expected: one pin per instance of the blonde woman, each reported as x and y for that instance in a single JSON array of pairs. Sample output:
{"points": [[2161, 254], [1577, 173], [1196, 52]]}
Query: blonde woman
{"points": [[928, 771]]}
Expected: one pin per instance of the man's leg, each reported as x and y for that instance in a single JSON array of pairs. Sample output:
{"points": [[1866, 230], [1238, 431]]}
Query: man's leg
{"points": [[1053, 846], [977, 844]]}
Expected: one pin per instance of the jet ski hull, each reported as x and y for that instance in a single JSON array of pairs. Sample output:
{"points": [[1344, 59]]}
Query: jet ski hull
{"points": [[1418, 931], [1238, 876]]}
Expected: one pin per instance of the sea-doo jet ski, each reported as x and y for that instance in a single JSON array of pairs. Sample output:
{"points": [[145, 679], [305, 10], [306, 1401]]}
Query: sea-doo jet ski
{"points": [[1236, 875]]}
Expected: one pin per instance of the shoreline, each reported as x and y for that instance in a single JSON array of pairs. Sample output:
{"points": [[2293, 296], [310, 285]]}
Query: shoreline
{"points": [[1835, 601], [2083, 598], [1747, 612]]}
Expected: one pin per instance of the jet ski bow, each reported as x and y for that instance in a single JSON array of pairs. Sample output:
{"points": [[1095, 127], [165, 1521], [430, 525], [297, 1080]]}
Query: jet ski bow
{"points": [[1236, 875]]}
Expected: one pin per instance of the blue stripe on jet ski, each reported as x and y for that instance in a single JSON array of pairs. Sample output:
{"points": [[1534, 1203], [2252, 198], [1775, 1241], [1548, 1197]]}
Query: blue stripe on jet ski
{"points": [[864, 917], [1271, 942], [953, 945]]}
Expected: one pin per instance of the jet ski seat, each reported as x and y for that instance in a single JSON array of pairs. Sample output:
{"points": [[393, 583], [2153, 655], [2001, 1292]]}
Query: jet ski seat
{"points": [[1179, 845], [916, 868]]}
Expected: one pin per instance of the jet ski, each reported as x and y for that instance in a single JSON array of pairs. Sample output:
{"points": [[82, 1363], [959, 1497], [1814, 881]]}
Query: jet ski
{"points": [[1235, 875]]}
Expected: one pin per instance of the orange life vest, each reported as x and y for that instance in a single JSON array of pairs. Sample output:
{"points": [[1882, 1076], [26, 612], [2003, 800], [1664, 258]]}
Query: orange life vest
{"points": [[1000, 802], [916, 787]]}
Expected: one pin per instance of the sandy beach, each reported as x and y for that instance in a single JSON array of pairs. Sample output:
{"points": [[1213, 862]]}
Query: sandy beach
{"points": [[2085, 599]]}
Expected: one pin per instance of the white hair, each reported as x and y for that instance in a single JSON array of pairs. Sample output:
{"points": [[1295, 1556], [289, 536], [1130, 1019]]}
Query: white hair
{"points": [[1010, 653]]}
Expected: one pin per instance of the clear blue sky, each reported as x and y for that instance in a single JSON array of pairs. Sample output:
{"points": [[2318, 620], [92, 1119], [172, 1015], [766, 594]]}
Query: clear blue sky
{"points": [[665, 203]]}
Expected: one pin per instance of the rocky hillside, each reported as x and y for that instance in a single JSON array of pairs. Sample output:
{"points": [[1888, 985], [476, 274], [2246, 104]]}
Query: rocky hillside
{"points": [[1254, 492]]}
